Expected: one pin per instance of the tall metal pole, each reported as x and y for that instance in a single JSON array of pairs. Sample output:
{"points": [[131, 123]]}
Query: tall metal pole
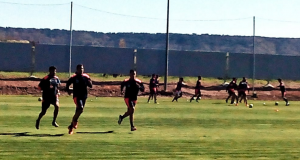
{"points": [[71, 37], [167, 50], [253, 51]]}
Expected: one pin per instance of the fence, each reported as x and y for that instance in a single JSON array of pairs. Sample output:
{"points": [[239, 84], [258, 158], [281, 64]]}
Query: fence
{"points": [[18, 57]]}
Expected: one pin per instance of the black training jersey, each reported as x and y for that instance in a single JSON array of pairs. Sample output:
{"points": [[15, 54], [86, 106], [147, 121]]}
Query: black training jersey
{"points": [[133, 86], [243, 86], [232, 85], [179, 86], [156, 83], [49, 85], [282, 87], [152, 83], [80, 84], [198, 84]]}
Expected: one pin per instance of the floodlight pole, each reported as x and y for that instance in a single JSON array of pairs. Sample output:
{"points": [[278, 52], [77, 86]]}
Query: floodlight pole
{"points": [[167, 49], [253, 51], [71, 37]]}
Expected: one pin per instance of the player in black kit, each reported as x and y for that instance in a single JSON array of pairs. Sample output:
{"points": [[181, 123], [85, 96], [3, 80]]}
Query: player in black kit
{"points": [[80, 83], [133, 86], [153, 88], [178, 92], [242, 88], [283, 91], [49, 85], [197, 90], [231, 91]]}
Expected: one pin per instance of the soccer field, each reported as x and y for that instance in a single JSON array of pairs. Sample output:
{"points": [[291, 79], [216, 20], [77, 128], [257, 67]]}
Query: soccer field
{"points": [[210, 129]]}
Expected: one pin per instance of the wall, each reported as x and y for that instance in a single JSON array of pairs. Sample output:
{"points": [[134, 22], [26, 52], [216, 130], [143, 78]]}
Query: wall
{"points": [[18, 57]]}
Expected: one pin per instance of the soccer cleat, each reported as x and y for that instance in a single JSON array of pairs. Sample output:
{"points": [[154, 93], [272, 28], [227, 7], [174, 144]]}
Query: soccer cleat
{"points": [[120, 119], [37, 124], [70, 129], [156, 103], [54, 124], [133, 128], [287, 104], [75, 125]]}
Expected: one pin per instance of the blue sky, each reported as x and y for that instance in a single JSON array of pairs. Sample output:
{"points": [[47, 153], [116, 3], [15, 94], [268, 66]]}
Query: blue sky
{"points": [[273, 18]]}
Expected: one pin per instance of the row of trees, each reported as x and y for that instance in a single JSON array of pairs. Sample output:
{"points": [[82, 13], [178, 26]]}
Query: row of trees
{"points": [[190, 42]]}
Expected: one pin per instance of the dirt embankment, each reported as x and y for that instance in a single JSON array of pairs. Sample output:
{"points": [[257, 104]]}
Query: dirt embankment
{"points": [[28, 86]]}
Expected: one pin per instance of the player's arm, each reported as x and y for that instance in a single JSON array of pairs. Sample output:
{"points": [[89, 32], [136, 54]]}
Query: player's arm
{"points": [[69, 82], [122, 87], [141, 86], [41, 85], [89, 83]]}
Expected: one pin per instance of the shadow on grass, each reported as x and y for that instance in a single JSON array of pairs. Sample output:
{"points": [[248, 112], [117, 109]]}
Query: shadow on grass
{"points": [[26, 134], [218, 103], [95, 132]]}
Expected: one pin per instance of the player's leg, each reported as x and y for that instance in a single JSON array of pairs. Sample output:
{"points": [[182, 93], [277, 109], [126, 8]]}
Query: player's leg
{"points": [[55, 113], [175, 96], [79, 102], [180, 95], [130, 110], [127, 113], [283, 94], [198, 96], [233, 97], [229, 95], [245, 99], [192, 98], [149, 97], [45, 106], [155, 95]]}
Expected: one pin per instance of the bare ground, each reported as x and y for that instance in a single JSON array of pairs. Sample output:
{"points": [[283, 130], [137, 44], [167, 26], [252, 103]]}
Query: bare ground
{"points": [[28, 86]]}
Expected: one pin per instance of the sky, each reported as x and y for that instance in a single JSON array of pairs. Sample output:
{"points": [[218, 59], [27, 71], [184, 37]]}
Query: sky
{"points": [[273, 18]]}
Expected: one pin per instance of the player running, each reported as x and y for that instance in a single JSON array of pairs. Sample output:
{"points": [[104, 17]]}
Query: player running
{"points": [[178, 92], [49, 85], [80, 83], [283, 91], [153, 88], [133, 86], [197, 90], [242, 88], [230, 89]]}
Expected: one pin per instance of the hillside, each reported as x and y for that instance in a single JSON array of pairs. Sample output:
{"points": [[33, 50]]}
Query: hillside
{"points": [[190, 42]]}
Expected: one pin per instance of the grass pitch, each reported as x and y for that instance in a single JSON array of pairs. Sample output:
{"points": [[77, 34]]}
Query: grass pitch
{"points": [[210, 129]]}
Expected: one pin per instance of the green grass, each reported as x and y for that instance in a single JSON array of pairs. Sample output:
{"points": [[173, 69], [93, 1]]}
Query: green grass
{"points": [[210, 129]]}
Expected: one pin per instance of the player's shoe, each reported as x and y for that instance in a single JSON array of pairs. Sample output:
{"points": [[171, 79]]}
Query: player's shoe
{"points": [[54, 124], [37, 124], [156, 103], [287, 104], [133, 128], [120, 119], [75, 125], [70, 129]]}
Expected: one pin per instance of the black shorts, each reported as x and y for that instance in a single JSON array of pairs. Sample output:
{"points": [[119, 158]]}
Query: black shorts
{"points": [[231, 92], [47, 102], [153, 90], [79, 102], [197, 91]]}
